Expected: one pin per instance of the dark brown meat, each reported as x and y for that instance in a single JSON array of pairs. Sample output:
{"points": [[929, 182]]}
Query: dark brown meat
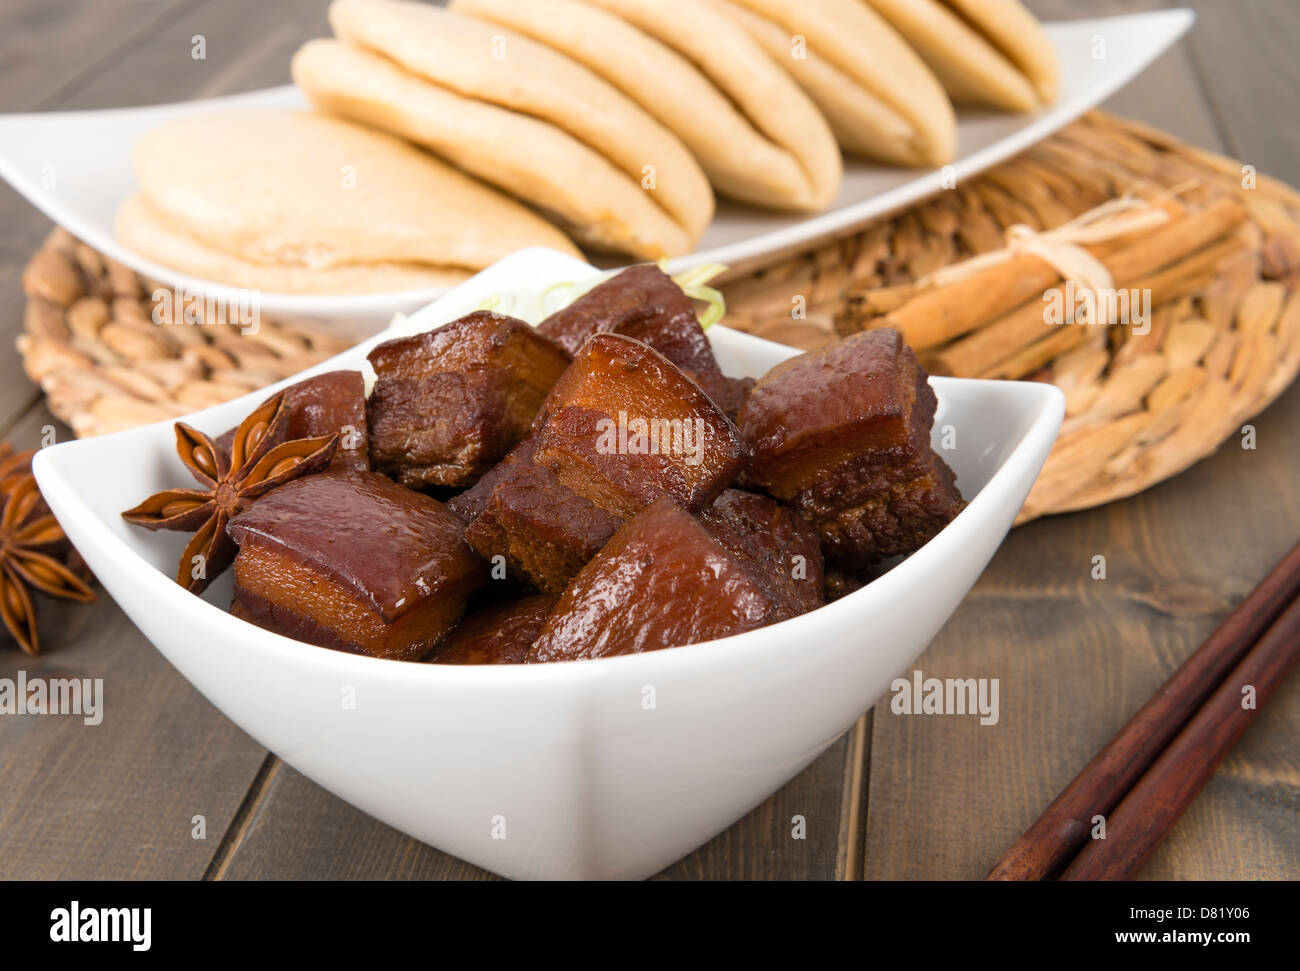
{"points": [[897, 520], [661, 581], [544, 531], [585, 468], [781, 543], [497, 634], [624, 426], [353, 561], [645, 304], [643, 298], [843, 435], [729, 394], [333, 403], [448, 404], [469, 504], [866, 395]]}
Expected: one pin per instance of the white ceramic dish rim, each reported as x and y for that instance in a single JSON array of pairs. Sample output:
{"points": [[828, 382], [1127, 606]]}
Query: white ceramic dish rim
{"points": [[699, 656], [765, 245]]}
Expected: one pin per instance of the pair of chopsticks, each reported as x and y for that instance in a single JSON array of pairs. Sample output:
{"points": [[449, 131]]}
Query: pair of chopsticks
{"points": [[1150, 772]]}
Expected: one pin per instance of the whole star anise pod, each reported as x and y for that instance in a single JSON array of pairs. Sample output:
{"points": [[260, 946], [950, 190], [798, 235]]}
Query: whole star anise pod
{"points": [[258, 461], [30, 537]]}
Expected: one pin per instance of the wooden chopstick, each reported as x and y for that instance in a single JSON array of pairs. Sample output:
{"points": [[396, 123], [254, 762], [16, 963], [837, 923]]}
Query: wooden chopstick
{"points": [[1154, 804], [1064, 827]]}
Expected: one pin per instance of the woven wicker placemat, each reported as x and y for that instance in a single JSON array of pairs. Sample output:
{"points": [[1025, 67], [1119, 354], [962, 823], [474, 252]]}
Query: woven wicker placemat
{"points": [[93, 343], [1224, 340]]}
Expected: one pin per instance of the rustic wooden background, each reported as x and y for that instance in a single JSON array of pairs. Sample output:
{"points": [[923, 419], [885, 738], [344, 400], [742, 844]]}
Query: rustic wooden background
{"points": [[898, 798]]}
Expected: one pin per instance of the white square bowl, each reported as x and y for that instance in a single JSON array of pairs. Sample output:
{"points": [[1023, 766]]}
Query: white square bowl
{"points": [[557, 770]]}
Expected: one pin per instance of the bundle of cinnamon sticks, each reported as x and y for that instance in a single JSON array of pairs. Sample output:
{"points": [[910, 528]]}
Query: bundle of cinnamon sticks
{"points": [[991, 322]]}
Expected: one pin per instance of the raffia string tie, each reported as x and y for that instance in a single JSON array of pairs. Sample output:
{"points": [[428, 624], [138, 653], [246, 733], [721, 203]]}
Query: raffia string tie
{"points": [[1062, 248]]}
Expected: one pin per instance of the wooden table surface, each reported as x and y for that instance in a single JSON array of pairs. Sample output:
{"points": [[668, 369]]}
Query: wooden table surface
{"points": [[898, 797]]}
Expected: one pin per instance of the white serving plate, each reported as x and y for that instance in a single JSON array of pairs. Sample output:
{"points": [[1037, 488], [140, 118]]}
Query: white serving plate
{"points": [[588, 782], [76, 168]]}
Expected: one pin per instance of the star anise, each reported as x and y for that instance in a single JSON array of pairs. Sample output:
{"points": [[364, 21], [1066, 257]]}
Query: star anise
{"points": [[258, 461], [30, 538], [13, 466]]}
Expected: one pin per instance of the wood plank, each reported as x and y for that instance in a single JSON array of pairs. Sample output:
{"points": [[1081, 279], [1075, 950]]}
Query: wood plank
{"points": [[113, 800], [1077, 656], [117, 799], [51, 46], [249, 44], [299, 831], [1245, 56], [946, 798]]}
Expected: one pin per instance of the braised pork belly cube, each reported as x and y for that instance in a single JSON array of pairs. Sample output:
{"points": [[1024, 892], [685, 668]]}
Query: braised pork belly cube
{"points": [[781, 543], [843, 435], [912, 505], [644, 303], [542, 530], [624, 426], [497, 634], [448, 404], [679, 337], [329, 404], [727, 393], [662, 581], [469, 505], [333, 403], [842, 581], [621, 428], [815, 412], [642, 297], [356, 562]]}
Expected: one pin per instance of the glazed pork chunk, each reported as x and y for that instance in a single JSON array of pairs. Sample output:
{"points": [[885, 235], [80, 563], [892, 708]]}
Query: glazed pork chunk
{"points": [[496, 634], [622, 427], [543, 531], [449, 403], [663, 580], [780, 543], [842, 434], [643, 302], [333, 403], [355, 562]]}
